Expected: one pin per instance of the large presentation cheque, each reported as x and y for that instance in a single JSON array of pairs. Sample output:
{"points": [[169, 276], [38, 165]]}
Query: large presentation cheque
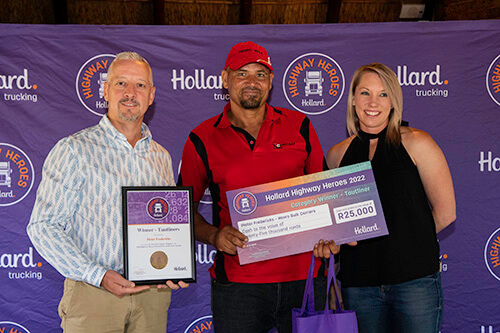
{"points": [[289, 216]]}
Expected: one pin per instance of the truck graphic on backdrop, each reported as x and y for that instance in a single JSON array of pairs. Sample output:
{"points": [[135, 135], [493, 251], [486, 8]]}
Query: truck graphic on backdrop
{"points": [[16, 175], [5, 174], [314, 83]]}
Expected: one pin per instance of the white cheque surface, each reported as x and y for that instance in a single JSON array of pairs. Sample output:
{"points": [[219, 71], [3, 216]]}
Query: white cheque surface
{"points": [[286, 223]]}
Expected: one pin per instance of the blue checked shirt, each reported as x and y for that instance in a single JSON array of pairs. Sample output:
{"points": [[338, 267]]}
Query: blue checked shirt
{"points": [[76, 224]]}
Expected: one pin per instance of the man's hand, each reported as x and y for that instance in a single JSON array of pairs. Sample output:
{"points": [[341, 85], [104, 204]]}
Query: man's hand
{"points": [[323, 248], [225, 239], [228, 238], [172, 285], [118, 285]]}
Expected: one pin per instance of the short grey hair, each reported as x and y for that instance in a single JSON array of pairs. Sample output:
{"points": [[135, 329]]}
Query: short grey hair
{"points": [[129, 55]]}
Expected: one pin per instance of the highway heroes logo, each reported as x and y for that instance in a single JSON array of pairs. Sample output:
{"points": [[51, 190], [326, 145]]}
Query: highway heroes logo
{"points": [[493, 80], [491, 254], [158, 208], [313, 83], [13, 87], [16, 174], [90, 83], [245, 203], [200, 325], [11, 327]]}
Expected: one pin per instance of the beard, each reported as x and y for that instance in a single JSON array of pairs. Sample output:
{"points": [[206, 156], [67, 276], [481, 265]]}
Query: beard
{"points": [[128, 114], [252, 102]]}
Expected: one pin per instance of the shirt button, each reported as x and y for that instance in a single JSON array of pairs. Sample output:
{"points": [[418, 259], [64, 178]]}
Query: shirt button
{"points": [[251, 142]]}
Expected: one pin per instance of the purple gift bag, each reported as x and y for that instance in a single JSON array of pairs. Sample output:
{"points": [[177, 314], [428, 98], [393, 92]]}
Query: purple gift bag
{"points": [[309, 321]]}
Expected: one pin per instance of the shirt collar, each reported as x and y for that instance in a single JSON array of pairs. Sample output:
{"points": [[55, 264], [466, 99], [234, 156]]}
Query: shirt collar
{"points": [[271, 115], [110, 130]]}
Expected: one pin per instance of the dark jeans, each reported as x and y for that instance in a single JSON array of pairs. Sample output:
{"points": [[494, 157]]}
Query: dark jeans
{"points": [[411, 307], [260, 307]]}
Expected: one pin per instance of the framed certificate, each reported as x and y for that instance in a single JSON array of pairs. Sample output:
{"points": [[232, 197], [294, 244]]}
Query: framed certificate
{"points": [[158, 235]]}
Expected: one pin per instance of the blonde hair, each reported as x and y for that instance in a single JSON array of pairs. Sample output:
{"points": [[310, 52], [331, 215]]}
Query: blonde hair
{"points": [[131, 56], [393, 89]]}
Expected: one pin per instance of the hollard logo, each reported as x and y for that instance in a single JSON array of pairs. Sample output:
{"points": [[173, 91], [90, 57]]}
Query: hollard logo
{"points": [[16, 260], [16, 174], [444, 264], [90, 83], [19, 265], [199, 80], [202, 324], [12, 327], [424, 80], [415, 78], [313, 83], [491, 254], [245, 203], [19, 81], [488, 329], [366, 229], [18, 87], [205, 254], [493, 80], [487, 162]]}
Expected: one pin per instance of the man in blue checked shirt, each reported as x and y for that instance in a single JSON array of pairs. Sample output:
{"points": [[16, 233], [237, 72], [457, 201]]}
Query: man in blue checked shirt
{"points": [[76, 224]]}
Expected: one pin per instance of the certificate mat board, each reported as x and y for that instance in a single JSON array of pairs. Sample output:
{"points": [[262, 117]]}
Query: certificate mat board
{"points": [[158, 236], [289, 216]]}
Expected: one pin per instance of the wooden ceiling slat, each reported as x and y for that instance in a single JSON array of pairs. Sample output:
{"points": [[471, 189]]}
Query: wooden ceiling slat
{"points": [[27, 11], [376, 11], [60, 11], [333, 13], [245, 12], [159, 12], [137, 12], [206, 13]]}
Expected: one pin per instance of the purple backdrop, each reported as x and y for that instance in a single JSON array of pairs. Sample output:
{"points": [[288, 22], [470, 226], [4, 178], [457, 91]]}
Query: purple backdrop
{"points": [[50, 80]]}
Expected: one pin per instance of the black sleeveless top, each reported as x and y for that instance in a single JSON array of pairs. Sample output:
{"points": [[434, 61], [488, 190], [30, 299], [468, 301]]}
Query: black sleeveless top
{"points": [[411, 250]]}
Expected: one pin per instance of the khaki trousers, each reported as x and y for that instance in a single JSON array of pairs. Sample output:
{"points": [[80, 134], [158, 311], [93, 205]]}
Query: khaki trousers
{"points": [[85, 308]]}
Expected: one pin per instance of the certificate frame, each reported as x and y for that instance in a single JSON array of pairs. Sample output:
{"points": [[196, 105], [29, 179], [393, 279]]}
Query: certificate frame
{"points": [[158, 234]]}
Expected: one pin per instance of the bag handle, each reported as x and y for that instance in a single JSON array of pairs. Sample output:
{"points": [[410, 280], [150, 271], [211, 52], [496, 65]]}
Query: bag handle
{"points": [[309, 288], [331, 276]]}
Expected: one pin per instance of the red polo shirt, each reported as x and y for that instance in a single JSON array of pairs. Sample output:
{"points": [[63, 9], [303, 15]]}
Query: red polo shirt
{"points": [[223, 157]]}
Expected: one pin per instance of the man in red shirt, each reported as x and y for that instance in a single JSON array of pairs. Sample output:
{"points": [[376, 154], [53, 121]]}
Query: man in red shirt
{"points": [[250, 143]]}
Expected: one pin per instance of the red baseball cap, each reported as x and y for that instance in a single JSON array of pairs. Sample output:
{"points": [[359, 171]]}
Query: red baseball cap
{"points": [[245, 53]]}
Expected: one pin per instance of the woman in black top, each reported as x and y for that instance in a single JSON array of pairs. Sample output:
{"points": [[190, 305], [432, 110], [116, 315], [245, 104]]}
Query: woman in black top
{"points": [[393, 282]]}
